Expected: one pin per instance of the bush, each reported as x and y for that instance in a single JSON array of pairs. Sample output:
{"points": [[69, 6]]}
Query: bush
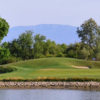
{"points": [[18, 59], [5, 69], [50, 55], [71, 53], [60, 55], [9, 60], [65, 55], [42, 56], [4, 53], [51, 79], [84, 54]]}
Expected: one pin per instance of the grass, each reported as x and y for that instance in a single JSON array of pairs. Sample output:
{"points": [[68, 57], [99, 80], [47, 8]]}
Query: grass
{"points": [[53, 67]]}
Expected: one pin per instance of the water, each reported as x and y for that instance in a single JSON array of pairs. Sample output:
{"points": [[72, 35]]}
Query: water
{"points": [[48, 94]]}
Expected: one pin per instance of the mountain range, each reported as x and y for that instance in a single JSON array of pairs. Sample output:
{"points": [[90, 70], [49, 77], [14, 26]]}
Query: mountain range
{"points": [[58, 33]]}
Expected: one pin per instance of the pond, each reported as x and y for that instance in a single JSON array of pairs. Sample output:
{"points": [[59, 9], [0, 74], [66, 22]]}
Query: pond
{"points": [[48, 94]]}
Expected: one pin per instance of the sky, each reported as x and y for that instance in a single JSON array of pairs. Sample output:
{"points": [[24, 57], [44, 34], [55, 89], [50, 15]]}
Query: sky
{"points": [[63, 12]]}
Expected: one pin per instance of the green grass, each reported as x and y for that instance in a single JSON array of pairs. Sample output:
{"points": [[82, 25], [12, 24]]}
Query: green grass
{"points": [[53, 67]]}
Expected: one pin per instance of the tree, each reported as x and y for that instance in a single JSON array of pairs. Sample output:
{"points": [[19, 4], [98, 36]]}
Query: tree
{"points": [[84, 53], [25, 41], [88, 32], [71, 53], [39, 45], [47, 47], [64, 48], [77, 47], [23, 46], [97, 52], [4, 27], [14, 48], [4, 45], [53, 48], [4, 53], [97, 46]]}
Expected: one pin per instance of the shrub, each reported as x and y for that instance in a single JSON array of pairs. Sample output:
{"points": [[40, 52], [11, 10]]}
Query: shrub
{"points": [[42, 56], [49, 79], [5, 69], [60, 55], [50, 55], [18, 59], [4, 53], [65, 55], [9, 60], [71, 53], [84, 53]]}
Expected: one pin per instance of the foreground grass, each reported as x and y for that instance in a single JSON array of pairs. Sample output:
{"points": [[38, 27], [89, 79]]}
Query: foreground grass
{"points": [[53, 67]]}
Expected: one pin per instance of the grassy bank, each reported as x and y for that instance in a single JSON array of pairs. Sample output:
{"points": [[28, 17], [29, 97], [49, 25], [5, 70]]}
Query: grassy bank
{"points": [[57, 68], [51, 79]]}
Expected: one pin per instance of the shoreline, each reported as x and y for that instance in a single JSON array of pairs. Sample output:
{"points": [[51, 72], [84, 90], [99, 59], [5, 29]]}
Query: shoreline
{"points": [[51, 85]]}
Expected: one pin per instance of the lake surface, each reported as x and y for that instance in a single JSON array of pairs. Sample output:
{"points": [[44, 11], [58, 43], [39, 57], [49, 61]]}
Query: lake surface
{"points": [[48, 94]]}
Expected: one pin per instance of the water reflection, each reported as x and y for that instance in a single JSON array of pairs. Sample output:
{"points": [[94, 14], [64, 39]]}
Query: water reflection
{"points": [[49, 94]]}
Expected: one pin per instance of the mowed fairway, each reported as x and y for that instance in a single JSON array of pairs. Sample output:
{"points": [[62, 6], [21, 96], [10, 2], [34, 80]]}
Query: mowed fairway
{"points": [[53, 67]]}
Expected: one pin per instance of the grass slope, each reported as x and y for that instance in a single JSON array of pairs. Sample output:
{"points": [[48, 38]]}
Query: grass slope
{"points": [[53, 67]]}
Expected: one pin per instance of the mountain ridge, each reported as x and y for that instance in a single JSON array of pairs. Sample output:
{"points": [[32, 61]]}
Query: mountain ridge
{"points": [[55, 32]]}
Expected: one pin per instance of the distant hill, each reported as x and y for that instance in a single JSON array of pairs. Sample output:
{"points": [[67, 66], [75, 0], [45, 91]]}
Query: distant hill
{"points": [[59, 33]]}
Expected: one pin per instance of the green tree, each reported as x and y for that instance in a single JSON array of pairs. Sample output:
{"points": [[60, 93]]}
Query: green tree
{"points": [[4, 27], [25, 41], [4, 45], [88, 32], [39, 45], [47, 47], [77, 47], [4, 53], [14, 48], [23, 46], [97, 46], [84, 53], [70, 50], [97, 52], [64, 48], [74, 49], [53, 48], [71, 53]]}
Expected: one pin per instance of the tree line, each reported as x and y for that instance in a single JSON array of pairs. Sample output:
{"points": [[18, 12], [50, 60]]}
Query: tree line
{"points": [[27, 46]]}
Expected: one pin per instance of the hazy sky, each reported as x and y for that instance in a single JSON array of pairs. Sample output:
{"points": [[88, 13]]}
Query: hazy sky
{"points": [[34, 12]]}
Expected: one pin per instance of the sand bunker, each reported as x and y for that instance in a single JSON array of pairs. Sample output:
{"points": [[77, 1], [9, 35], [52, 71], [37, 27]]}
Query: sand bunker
{"points": [[47, 69], [83, 67]]}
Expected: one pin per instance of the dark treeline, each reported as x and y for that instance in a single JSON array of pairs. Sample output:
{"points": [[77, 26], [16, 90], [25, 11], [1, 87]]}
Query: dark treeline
{"points": [[27, 46]]}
